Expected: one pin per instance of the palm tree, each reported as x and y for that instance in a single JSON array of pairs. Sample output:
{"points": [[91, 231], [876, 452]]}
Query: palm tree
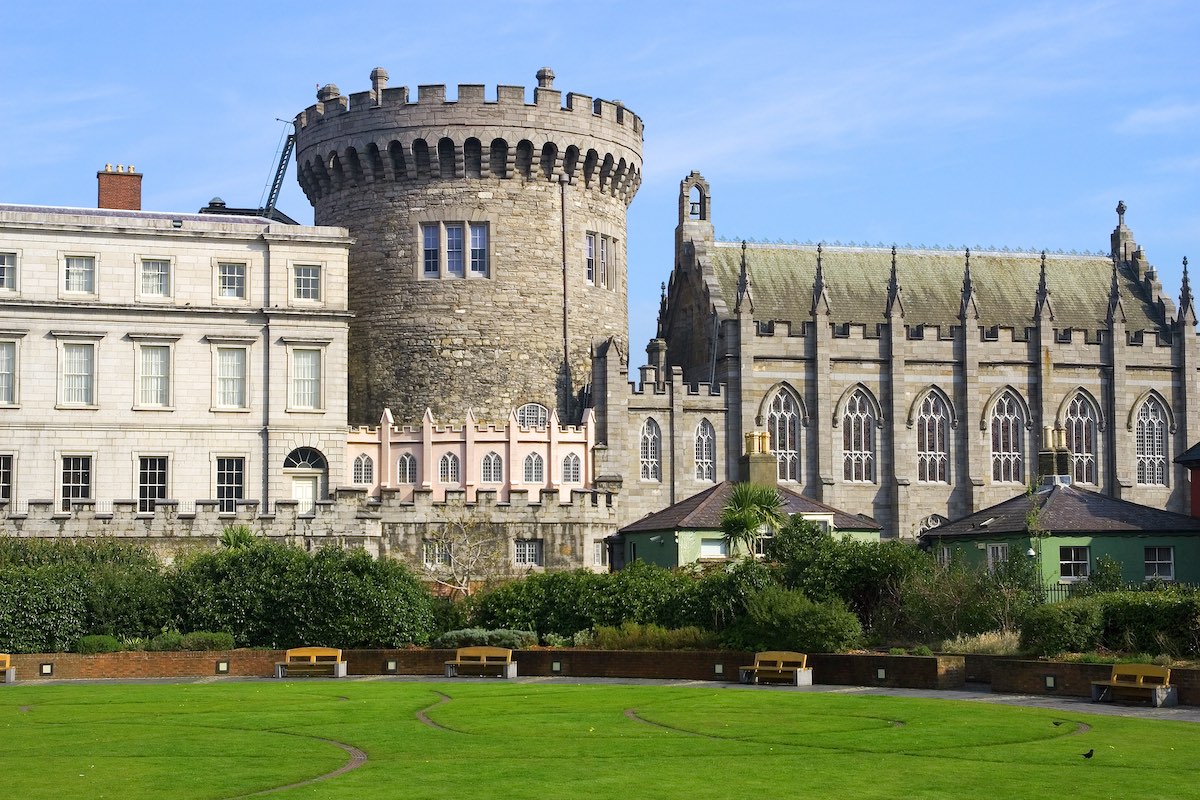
{"points": [[752, 510]]}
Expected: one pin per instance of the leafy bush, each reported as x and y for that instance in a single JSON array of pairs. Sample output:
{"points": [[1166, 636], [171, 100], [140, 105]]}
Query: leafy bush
{"points": [[449, 614], [472, 637], [957, 599], [207, 640], [42, 607], [1071, 626], [237, 537], [634, 636], [554, 640], [1106, 577], [167, 641], [1165, 622], [99, 643], [782, 619]]}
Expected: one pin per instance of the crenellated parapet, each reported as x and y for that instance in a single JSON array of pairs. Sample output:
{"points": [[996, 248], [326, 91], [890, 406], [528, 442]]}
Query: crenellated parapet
{"points": [[385, 135]]}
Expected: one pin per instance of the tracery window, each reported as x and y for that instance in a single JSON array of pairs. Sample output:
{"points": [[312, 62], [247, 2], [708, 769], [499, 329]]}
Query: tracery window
{"points": [[571, 469], [448, 471], [533, 415], [651, 451], [1081, 439], [493, 469], [1008, 450], [1152, 443], [406, 469], [933, 447], [858, 439], [364, 469], [705, 451], [535, 469], [783, 425]]}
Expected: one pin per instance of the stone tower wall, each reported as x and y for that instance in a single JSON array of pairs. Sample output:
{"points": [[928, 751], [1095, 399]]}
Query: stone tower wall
{"points": [[382, 165]]}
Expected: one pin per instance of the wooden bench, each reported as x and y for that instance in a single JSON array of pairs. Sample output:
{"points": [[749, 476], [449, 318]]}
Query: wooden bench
{"points": [[7, 670], [1141, 681], [481, 660], [311, 662], [778, 666]]}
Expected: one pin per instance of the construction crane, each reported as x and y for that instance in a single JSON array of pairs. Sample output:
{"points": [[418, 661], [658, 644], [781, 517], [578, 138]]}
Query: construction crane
{"points": [[277, 184]]}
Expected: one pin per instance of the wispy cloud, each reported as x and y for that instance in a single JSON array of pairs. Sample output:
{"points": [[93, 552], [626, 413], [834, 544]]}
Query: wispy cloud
{"points": [[1157, 119]]}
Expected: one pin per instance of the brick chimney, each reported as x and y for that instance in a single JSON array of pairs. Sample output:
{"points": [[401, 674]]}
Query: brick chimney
{"points": [[119, 188]]}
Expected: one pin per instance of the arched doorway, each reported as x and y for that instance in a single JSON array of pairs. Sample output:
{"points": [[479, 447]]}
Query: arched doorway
{"points": [[308, 470]]}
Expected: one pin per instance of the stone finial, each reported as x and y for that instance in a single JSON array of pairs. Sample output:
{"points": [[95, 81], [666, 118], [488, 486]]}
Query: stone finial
{"points": [[379, 78], [328, 92], [545, 78], [1120, 212]]}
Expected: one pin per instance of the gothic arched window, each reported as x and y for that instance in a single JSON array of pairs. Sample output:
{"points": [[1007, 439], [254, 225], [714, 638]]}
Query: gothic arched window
{"points": [[364, 470], [535, 469], [571, 472], [783, 425], [406, 469], [1008, 431], [1081, 438], [858, 439], [448, 471], [492, 469], [1152, 443], [933, 440], [705, 451], [651, 451]]}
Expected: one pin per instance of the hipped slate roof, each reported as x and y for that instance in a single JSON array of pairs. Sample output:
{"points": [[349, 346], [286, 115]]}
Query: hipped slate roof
{"points": [[1067, 510], [703, 512], [856, 279]]}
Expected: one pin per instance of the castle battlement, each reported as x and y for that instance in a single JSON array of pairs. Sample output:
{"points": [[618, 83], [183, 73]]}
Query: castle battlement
{"points": [[383, 135]]}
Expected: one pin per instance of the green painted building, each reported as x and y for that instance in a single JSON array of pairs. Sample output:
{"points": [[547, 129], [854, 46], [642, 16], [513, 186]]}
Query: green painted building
{"points": [[1068, 529], [690, 530]]}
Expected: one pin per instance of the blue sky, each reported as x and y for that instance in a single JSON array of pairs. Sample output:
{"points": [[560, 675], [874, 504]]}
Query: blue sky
{"points": [[1014, 124]]}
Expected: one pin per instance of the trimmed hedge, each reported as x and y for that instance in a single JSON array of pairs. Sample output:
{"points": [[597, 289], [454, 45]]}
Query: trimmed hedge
{"points": [[471, 637], [1072, 626]]}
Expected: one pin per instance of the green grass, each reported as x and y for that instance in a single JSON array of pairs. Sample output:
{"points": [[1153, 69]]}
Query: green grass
{"points": [[553, 741]]}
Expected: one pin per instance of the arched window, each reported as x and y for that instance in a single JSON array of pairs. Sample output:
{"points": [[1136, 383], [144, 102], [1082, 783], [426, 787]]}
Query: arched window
{"points": [[1008, 432], [858, 439], [1081, 439], [533, 415], [651, 451], [304, 458], [705, 451], [406, 469], [783, 425], [571, 469], [493, 468], [535, 469], [364, 470], [1152, 443], [448, 468], [933, 446]]}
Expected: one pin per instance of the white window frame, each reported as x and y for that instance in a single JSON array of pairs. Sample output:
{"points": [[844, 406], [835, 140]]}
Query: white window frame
{"points": [[572, 468], [60, 494], [302, 290], [219, 265], [997, 555], [364, 470], [533, 415], [491, 468], [10, 273], [8, 477], [1069, 559], [589, 258], [480, 260], [10, 382], [529, 552], [599, 553], [140, 343], [167, 278], [237, 490], [447, 249], [449, 470], [1156, 563], [65, 342], [535, 468], [146, 504], [218, 344], [297, 403], [435, 554], [66, 261], [406, 469], [650, 451]]}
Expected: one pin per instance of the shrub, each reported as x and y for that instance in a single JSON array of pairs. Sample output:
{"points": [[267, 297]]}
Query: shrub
{"points": [[471, 637], [166, 641], [922, 650], [42, 607], [634, 636], [237, 537], [995, 643], [207, 640], [957, 599], [99, 643], [781, 619], [1071, 626], [554, 640], [1165, 622]]}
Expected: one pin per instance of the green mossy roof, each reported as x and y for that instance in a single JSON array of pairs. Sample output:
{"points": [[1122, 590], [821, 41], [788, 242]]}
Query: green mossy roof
{"points": [[856, 279]]}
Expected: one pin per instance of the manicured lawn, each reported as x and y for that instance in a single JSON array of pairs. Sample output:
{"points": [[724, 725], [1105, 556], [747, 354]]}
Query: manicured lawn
{"points": [[556, 741]]}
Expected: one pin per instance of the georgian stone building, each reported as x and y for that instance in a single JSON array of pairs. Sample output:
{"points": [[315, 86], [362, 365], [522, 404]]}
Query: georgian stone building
{"points": [[151, 362], [912, 385]]}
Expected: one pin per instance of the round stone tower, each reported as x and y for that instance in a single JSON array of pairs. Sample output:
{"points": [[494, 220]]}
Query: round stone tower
{"points": [[489, 246]]}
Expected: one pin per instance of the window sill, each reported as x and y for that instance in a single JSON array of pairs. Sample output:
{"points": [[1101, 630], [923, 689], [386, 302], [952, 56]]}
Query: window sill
{"points": [[76, 407], [304, 410], [154, 408], [229, 410]]}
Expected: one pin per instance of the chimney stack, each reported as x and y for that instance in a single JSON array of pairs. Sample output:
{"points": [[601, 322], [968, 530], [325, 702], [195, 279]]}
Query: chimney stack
{"points": [[119, 188]]}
